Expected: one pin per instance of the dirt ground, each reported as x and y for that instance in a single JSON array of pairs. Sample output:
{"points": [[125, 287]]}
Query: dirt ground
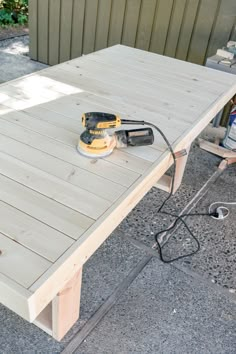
{"points": [[11, 32]]}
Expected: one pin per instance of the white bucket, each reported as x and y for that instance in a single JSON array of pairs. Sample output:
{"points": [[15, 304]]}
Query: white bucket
{"points": [[229, 141]]}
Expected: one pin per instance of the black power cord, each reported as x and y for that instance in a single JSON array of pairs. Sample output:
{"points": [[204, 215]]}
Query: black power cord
{"points": [[179, 218]]}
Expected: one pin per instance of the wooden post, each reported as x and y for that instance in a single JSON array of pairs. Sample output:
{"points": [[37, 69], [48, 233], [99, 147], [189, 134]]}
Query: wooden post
{"points": [[180, 167], [165, 181], [66, 307], [226, 162]]}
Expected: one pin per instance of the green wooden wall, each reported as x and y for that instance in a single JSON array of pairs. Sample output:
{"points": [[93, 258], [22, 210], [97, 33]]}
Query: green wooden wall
{"points": [[186, 29]]}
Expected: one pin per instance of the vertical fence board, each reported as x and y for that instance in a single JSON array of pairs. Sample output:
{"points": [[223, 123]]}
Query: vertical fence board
{"points": [[187, 29], [174, 28], [65, 30], [54, 31], [202, 31], [145, 25], [103, 20], [161, 25], [131, 22], [223, 26], [90, 20], [116, 21], [43, 31], [77, 28], [33, 28]]}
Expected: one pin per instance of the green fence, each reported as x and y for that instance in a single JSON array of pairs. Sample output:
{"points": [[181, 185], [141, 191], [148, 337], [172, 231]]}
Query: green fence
{"points": [[186, 29]]}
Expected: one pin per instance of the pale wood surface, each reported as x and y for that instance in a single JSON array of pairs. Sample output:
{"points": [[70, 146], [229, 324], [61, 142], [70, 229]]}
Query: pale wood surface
{"points": [[66, 306], [180, 167], [56, 206], [60, 314]]}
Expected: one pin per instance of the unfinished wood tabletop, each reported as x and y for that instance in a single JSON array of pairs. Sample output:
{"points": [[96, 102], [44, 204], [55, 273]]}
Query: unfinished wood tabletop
{"points": [[56, 206]]}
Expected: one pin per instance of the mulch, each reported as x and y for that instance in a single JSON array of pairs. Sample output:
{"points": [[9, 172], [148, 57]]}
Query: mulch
{"points": [[11, 32]]}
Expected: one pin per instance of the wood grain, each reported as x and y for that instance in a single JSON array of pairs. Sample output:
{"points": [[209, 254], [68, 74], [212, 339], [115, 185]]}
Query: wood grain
{"points": [[75, 203]]}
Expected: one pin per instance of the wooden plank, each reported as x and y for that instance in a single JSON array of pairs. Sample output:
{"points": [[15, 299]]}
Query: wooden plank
{"points": [[58, 133], [69, 108], [164, 183], [187, 26], [145, 24], [32, 234], [180, 168], [193, 73], [33, 29], [133, 67], [130, 24], [136, 85], [216, 149], [103, 21], [20, 98], [127, 108], [135, 92], [67, 172], [43, 209], [14, 296], [54, 31], [223, 25], [16, 261], [132, 158], [116, 22], [56, 118], [17, 104], [77, 28], [23, 98], [202, 30], [71, 196], [90, 20], [89, 67], [161, 25], [99, 167], [133, 162], [174, 27], [44, 319], [66, 306], [43, 31], [42, 87], [65, 30]]}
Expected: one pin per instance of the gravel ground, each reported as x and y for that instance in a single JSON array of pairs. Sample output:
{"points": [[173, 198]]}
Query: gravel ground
{"points": [[16, 45], [14, 59], [12, 32]]}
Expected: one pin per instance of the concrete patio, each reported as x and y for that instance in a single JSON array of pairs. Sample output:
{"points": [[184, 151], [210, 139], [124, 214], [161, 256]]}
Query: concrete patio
{"points": [[185, 307]]}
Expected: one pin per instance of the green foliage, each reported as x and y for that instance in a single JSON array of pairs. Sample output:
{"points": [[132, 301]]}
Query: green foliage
{"points": [[5, 18], [13, 12], [22, 19]]}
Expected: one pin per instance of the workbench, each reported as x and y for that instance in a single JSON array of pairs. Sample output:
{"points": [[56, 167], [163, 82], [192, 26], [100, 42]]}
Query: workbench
{"points": [[56, 206]]}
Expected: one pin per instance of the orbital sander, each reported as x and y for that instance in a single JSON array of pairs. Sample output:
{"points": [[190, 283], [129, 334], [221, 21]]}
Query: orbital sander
{"points": [[96, 142]]}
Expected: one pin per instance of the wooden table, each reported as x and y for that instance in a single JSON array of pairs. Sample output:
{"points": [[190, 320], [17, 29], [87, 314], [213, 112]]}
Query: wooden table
{"points": [[56, 206]]}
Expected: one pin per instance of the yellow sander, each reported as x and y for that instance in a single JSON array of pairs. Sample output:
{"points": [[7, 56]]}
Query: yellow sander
{"points": [[96, 142]]}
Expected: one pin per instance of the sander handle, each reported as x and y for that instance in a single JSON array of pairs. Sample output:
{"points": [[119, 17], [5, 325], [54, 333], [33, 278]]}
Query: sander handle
{"points": [[135, 137]]}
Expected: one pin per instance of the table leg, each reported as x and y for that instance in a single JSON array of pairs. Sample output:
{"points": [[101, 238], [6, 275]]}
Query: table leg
{"points": [[66, 306], [180, 168], [165, 181]]}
